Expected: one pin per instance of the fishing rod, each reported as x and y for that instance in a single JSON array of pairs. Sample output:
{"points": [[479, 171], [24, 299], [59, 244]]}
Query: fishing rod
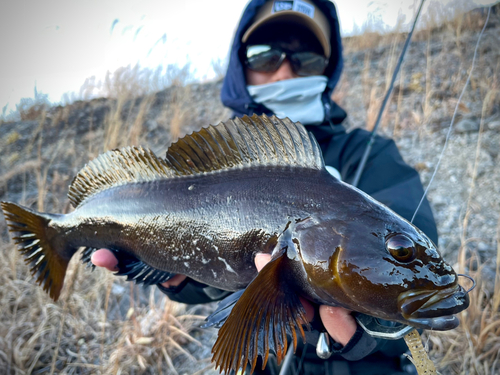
{"points": [[369, 145], [371, 325], [324, 346]]}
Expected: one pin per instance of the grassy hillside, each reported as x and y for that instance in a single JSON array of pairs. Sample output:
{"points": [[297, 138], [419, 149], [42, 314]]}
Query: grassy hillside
{"points": [[103, 325]]}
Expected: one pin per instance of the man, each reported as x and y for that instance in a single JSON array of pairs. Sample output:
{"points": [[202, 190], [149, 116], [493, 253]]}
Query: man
{"points": [[286, 59]]}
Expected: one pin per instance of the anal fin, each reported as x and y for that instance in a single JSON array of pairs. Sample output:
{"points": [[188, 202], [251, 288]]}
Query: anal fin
{"points": [[86, 257], [138, 271], [259, 322], [133, 268]]}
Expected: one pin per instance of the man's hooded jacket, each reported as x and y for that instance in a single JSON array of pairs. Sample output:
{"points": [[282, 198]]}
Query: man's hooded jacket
{"points": [[386, 177]]}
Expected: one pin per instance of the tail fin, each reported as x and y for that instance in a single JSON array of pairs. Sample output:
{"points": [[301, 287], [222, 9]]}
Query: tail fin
{"points": [[39, 243]]}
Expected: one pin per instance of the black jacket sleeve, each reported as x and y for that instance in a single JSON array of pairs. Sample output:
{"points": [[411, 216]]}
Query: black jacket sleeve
{"points": [[388, 179], [386, 176], [193, 292]]}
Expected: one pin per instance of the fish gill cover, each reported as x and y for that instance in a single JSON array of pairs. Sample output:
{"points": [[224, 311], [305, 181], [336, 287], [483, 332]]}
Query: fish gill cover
{"points": [[220, 196]]}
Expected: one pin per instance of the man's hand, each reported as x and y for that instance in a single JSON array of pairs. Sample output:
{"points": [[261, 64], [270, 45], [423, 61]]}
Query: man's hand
{"points": [[106, 259], [338, 321]]}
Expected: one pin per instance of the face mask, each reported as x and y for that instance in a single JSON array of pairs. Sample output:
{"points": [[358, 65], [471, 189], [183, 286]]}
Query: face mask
{"points": [[299, 99]]}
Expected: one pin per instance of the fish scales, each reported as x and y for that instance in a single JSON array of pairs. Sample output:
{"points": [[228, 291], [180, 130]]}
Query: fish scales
{"points": [[172, 221], [255, 184]]}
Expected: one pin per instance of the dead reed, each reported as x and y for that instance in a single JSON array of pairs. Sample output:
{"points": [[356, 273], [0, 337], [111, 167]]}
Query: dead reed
{"points": [[102, 325]]}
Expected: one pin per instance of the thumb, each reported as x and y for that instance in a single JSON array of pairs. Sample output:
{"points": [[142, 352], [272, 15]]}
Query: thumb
{"points": [[261, 260]]}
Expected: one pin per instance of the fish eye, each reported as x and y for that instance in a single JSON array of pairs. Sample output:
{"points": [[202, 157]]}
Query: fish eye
{"points": [[401, 248]]}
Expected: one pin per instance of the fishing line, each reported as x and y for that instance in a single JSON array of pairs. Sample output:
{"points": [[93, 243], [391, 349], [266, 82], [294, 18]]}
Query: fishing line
{"points": [[369, 145], [471, 279], [450, 128]]}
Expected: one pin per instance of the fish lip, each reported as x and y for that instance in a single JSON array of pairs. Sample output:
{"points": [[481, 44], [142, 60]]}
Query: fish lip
{"points": [[441, 323], [433, 309]]}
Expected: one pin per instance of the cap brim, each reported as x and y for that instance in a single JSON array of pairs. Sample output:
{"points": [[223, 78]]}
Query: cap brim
{"points": [[293, 17]]}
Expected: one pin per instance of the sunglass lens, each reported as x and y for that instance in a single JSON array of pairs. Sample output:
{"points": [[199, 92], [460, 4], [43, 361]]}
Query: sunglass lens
{"points": [[308, 63], [262, 58]]}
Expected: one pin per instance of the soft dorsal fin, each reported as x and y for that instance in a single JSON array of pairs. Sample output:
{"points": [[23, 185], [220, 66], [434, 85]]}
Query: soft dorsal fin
{"points": [[239, 143], [117, 167]]}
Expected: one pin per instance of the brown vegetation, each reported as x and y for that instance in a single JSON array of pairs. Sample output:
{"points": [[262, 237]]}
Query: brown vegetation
{"points": [[103, 325]]}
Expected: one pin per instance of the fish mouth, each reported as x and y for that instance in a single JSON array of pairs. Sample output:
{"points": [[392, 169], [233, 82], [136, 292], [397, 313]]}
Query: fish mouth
{"points": [[433, 309]]}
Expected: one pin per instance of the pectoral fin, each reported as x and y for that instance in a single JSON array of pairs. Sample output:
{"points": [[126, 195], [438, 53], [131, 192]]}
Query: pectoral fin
{"points": [[259, 322], [224, 308]]}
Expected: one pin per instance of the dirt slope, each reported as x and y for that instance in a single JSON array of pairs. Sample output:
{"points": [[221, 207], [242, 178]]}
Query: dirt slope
{"points": [[105, 325]]}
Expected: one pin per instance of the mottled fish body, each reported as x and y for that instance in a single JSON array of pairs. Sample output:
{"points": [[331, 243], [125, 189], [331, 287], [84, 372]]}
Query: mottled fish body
{"points": [[207, 227], [220, 196]]}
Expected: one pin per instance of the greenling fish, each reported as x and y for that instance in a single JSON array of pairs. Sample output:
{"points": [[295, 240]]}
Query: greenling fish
{"points": [[221, 195]]}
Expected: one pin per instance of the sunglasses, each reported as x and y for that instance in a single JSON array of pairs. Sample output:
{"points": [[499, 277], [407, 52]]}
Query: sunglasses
{"points": [[267, 59]]}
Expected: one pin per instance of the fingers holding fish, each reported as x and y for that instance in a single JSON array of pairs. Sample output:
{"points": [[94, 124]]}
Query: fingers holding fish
{"points": [[338, 322], [105, 258], [261, 260], [174, 281]]}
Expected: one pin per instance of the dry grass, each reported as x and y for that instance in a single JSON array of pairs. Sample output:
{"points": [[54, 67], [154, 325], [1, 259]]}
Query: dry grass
{"points": [[475, 345], [437, 18], [77, 335], [102, 325], [136, 81], [124, 126]]}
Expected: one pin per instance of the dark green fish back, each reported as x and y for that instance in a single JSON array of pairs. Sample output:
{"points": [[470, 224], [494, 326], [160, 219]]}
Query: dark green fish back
{"points": [[239, 143]]}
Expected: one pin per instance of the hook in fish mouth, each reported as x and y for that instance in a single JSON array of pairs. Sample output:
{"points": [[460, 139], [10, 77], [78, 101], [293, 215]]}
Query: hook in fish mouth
{"points": [[433, 309]]}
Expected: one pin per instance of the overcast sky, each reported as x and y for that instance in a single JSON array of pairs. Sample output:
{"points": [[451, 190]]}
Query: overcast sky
{"points": [[57, 44]]}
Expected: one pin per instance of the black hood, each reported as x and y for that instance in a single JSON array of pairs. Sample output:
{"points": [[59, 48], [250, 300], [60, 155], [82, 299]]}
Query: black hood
{"points": [[234, 93]]}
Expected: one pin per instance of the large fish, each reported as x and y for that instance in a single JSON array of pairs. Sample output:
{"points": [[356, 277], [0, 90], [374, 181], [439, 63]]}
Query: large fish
{"points": [[221, 195]]}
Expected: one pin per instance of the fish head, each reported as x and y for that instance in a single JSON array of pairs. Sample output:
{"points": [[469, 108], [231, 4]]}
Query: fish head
{"points": [[397, 273], [373, 261], [434, 294]]}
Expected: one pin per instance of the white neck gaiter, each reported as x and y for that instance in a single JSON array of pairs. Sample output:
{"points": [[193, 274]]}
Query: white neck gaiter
{"points": [[299, 99]]}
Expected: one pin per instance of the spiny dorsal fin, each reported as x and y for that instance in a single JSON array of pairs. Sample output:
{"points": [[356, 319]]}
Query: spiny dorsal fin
{"points": [[245, 142], [242, 142], [117, 167]]}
